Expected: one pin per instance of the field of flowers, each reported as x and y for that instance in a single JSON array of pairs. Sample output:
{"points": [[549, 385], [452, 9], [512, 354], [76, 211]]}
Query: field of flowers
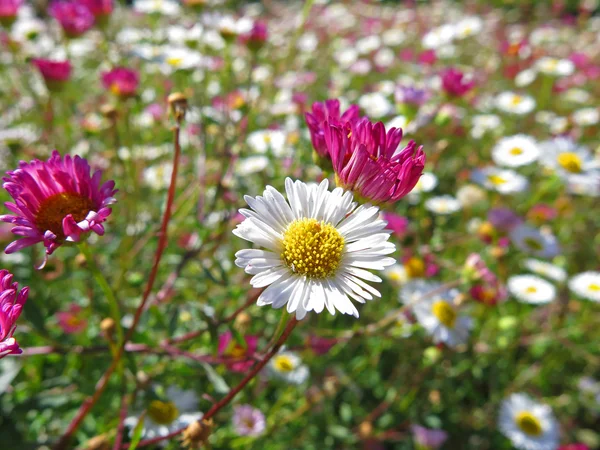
{"points": [[300, 225]]}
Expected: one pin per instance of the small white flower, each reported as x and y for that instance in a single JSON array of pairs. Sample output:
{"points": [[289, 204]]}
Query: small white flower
{"points": [[393, 37], [318, 245], [534, 242], [396, 274], [469, 26], [367, 44], [166, 7], [268, 140], [531, 289], [443, 205], [555, 67], [566, 157], [529, 425], [515, 151], [438, 37], [546, 269], [586, 285], [251, 164], [514, 103], [426, 183], [525, 78], [586, 117], [469, 195], [504, 181], [287, 366], [375, 105]]}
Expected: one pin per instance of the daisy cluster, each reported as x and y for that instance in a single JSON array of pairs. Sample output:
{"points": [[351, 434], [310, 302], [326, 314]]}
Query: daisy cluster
{"points": [[316, 224]]}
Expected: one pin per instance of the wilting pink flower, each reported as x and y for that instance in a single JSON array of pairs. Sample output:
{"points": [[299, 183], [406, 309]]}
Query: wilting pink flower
{"points": [[8, 11], [454, 82], [121, 81], [427, 438], [101, 9], [71, 320], [321, 345], [248, 421], [329, 111], [56, 201], [239, 357], [256, 38], [574, 447], [366, 161], [398, 224], [486, 287], [11, 305], [55, 73], [75, 18]]}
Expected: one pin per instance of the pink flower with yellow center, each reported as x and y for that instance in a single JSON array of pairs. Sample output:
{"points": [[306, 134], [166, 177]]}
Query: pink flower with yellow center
{"points": [[366, 160], [72, 321], [11, 305], [121, 81], [55, 201], [240, 357], [74, 17]]}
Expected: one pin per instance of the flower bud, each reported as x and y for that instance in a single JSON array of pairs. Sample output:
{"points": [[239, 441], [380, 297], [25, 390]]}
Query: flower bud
{"points": [[197, 433]]}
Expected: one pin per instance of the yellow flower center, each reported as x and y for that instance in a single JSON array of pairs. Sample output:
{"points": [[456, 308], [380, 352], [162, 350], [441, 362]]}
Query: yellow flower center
{"points": [[569, 161], [533, 244], [516, 151], [55, 208], [496, 180], [163, 413], [531, 290], [237, 351], [415, 267], [283, 363], [528, 423], [445, 313], [114, 88], [175, 62], [594, 287], [312, 248], [516, 100]]}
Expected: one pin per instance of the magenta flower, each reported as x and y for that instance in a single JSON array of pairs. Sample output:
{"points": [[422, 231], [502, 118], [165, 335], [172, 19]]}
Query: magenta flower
{"points": [[248, 421], [398, 224], [56, 201], [366, 161], [321, 345], [55, 73], [455, 83], [8, 11], [574, 447], [101, 9], [121, 81], [72, 321], [239, 357], [11, 305], [256, 38], [75, 18], [429, 439], [329, 111]]}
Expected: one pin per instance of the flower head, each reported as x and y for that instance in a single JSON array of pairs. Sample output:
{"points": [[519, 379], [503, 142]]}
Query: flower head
{"points": [[55, 201], [317, 245], [75, 18], [586, 285], [121, 81], [411, 95], [71, 320], [428, 439], [455, 83], [99, 8], [256, 38], [248, 421], [366, 161], [323, 113], [240, 355], [287, 366], [55, 73], [8, 11], [11, 305]]}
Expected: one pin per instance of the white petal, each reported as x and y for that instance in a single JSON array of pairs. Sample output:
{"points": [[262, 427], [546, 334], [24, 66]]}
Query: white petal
{"points": [[268, 276]]}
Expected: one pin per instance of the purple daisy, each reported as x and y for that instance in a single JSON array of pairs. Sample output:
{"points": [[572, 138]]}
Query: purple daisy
{"points": [[248, 421], [56, 201], [11, 305]]}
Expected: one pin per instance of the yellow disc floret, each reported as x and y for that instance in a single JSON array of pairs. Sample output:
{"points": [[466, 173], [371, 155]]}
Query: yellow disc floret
{"points": [[528, 423], [283, 363], [445, 313], [312, 248], [571, 162], [162, 413]]}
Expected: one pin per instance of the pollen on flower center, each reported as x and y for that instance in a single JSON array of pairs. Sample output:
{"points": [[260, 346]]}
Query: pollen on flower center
{"points": [[528, 423], [496, 180], [55, 208], [531, 290], [445, 313], [312, 248], [516, 100], [283, 364], [516, 151], [162, 413], [569, 161], [594, 287]]}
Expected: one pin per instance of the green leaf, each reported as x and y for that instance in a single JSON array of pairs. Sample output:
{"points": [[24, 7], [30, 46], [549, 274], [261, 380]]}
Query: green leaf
{"points": [[238, 336], [217, 381], [137, 432]]}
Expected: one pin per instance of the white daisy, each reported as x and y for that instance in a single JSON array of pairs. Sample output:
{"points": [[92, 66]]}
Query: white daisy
{"points": [[483, 123], [469, 195], [375, 105], [515, 151], [534, 242], [439, 37], [514, 103], [528, 424], [287, 366], [166, 7], [251, 164], [469, 26], [566, 157], [586, 117], [176, 411], [504, 181], [587, 184], [262, 141], [531, 289], [443, 205], [555, 67], [396, 274], [546, 269], [318, 245], [586, 285]]}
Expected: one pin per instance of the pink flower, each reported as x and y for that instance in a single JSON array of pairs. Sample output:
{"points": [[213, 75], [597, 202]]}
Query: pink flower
{"points": [[240, 357], [11, 305], [428, 57], [429, 439], [8, 11], [329, 111], [56, 201], [487, 288], [101, 9], [398, 224], [366, 161], [74, 17], [121, 81], [574, 447], [321, 345], [256, 38], [71, 321], [55, 73], [454, 82]]}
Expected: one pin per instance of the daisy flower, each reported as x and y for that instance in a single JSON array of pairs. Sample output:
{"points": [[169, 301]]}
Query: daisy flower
{"points": [[56, 201], [175, 411], [531, 289], [512, 103], [11, 305], [534, 242], [515, 151], [554, 66], [165, 7], [469, 26], [566, 157], [317, 247], [586, 285], [248, 421], [586, 117], [529, 425], [546, 269], [443, 205], [504, 181], [287, 366]]}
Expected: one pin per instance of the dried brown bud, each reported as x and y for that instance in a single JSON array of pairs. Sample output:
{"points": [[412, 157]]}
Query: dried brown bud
{"points": [[109, 111], [108, 328], [314, 394], [178, 105], [365, 429], [142, 379], [197, 433], [435, 397], [242, 322], [100, 442]]}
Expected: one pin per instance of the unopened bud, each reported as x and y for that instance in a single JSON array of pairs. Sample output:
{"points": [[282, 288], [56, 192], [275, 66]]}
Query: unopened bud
{"points": [[178, 105], [108, 327], [142, 379], [97, 443], [197, 433], [365, 429], [242, 322], [80, 260]]}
